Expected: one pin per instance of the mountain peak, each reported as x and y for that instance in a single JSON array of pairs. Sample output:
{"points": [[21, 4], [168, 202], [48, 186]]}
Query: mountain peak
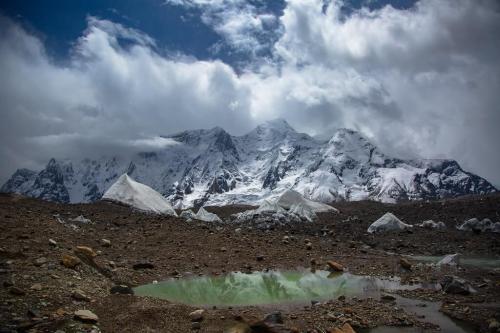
{"points": [[278, 124]]}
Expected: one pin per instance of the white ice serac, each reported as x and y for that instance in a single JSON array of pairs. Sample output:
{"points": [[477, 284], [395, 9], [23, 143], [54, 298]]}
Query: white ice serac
{"points": [[139, 196]]}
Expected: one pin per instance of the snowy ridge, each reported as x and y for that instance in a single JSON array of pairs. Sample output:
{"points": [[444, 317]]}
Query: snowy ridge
{"points": [[212, 167]]}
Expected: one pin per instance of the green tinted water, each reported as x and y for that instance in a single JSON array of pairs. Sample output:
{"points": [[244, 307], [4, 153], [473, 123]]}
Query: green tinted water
{"points": [[238, 289]]}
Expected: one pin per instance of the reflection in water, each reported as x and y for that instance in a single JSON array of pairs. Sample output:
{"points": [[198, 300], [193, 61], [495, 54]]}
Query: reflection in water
{"points": [[295, 287], [269, 288]]}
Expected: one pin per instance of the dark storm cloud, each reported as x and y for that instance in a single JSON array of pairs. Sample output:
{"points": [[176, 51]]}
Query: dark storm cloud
{"points": [[418, 82]]}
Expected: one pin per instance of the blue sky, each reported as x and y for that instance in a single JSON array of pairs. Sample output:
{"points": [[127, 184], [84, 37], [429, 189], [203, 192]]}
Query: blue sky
{"points": [[175, 28], [87, 77]]}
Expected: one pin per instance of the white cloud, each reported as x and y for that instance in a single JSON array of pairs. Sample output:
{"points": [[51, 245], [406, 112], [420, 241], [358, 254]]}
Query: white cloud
{"points": [[244, 25], [422, 81]]}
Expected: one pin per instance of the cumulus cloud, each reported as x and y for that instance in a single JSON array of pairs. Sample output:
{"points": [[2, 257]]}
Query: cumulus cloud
{"points": [[109, 92], [418, 82], [247, 27]]}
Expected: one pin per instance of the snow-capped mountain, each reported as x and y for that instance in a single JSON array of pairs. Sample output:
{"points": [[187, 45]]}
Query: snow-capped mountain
{"points": [[215, 168]]}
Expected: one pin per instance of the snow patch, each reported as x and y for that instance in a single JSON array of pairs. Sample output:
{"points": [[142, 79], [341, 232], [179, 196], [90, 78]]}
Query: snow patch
{"points": [[388, 222], [430, 224], [450, 260], [292, 198], [139, 196], [205, 216], [480, 226]]}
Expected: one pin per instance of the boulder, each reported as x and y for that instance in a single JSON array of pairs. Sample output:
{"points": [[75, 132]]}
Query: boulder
{"points": [[70, 261], [456, 285], [86, 316], [187, 214], [346, 328], [86, 251], [79, 295], [121, 289], [334, 266], [197, 315], [405, 263]]}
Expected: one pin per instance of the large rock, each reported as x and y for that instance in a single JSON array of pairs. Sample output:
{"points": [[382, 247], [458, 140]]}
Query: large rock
{"points": [[456, 285], [187, 214], [197, 315], [334, 266], [70, 261], [86, 316], [388, 222], [346, 328], [86, 251]]}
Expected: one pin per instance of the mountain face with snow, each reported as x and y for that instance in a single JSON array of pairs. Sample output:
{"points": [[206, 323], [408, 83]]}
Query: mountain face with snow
{"points": [[212, 167]]}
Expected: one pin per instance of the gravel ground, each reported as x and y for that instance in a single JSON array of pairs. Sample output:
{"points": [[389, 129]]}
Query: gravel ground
{"points": [[40, 294]]}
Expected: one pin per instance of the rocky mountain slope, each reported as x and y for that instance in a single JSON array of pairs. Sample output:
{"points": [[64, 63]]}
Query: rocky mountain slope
{"points": [[215, 168]]}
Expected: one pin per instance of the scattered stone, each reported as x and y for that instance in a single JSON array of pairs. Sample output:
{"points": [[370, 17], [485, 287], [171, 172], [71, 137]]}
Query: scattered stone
{"points": [[17, 291], [195, 326], [309, 246], [79, 295], [143, 265], [493, 325], [274, 318], [52, 242], [456, 285], [40, 261], [86, 251], [121, 289], [387, 297], [36, 286], [33, 313], [334, 266], [223, 249], [8, 283], [197, 315], [346, 328], [86, 316], [70, 261], [105, 242], [405, 263], [260, 257]]}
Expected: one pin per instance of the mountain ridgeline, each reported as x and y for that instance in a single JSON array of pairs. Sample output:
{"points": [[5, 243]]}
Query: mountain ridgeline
{"points": [[215, 168]]}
